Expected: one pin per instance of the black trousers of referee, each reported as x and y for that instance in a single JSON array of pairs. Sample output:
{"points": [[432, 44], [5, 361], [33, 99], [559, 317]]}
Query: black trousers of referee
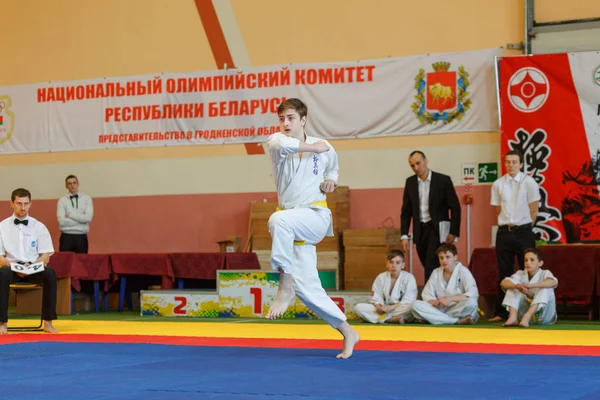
{"points": [[511, 241], [47, 278], [77, 243], [427, 248]]}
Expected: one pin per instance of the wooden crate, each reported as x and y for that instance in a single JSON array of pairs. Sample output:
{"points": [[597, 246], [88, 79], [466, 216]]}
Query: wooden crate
{"points": [[362, 264], [371, 237], [325, 259], [365, 255]]}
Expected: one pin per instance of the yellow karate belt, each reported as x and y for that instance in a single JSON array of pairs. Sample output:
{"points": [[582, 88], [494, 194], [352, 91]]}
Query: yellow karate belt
{"points": [[383, 317], [320, 203]]}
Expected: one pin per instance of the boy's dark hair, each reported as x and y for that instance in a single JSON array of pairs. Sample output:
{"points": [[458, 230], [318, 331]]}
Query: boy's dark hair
{"points": [[395, 253], [295, 104], [447, 247], [534, 251], [20, 192]]}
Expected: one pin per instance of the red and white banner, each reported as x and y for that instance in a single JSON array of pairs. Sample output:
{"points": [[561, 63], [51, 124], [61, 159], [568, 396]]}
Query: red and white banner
{"points": [[453, 92], [550, 110]]}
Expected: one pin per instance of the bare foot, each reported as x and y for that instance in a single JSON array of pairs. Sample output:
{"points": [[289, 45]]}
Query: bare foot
{"points": [[351, 337], [397, 320], [496, 319], [3, 329], [468, 320], [48, 328], [511, 321], [524, 323], [285, 295]]}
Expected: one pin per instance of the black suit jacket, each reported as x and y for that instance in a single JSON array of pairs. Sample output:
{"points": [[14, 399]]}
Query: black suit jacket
{"points": [[443, 205]]}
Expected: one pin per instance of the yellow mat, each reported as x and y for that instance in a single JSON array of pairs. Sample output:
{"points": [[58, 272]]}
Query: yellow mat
{"points": [[304, 331]]}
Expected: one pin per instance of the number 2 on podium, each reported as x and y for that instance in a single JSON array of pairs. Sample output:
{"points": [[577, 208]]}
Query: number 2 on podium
{"points": [[257, 293]]}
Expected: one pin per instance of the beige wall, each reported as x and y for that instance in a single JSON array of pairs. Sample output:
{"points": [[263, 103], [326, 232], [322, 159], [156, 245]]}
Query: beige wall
{"points": [[561, 10], [80, 39]]}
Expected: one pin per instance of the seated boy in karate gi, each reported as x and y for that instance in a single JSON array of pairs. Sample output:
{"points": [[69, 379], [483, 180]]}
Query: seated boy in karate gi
{"points": [[450, 295], [393, 294], [530, 293]]}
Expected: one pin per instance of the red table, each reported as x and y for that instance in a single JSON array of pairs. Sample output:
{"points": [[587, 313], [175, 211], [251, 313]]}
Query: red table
{"points": [[67, 265], [577, 268], [206, 265], [197, 265], [144, 264]]}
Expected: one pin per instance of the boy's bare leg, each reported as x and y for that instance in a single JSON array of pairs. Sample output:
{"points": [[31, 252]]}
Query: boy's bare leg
{"points": [[351, 337], [285, 295], [527, 316], [513, 318], [3, 328], [48, 328]]}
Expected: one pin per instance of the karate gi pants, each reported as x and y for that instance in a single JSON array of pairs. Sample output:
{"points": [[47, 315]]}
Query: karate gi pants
{"points": [[447, 315], [367, 312], [544, 315], [309, 226]]}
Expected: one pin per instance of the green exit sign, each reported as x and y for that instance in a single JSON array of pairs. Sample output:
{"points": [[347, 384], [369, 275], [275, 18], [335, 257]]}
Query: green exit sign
{"points": [[487, 172]]}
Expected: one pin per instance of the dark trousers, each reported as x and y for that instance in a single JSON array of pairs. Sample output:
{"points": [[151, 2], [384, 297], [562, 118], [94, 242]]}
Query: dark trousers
{"points": [[47, 278], [427, 245], [510, 243], [74, 243]]}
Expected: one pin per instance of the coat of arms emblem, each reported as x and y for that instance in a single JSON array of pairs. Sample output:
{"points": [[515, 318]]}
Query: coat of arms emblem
{"points": [[442, 94]]}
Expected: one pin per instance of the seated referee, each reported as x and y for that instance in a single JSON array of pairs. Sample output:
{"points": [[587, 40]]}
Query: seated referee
{"points": [[26, 240]]}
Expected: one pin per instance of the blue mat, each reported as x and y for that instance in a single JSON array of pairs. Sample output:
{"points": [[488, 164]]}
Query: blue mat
{"points": [[49, 370]]}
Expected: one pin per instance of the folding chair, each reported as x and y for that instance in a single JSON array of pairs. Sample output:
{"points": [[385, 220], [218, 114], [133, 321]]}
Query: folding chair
{"points": [[27, 286]]}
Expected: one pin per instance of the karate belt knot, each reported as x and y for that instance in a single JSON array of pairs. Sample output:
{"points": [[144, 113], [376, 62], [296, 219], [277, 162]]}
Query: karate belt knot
{"points": [[320, 203]]}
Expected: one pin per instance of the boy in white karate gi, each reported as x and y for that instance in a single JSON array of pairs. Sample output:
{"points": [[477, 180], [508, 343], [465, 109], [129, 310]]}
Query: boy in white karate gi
{"points": [[392, 295], [304, 168], [450, 295], [530, 293]]}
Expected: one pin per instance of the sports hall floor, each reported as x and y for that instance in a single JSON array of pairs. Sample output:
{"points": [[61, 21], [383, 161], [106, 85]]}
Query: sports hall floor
{"points": [[125, 356]]}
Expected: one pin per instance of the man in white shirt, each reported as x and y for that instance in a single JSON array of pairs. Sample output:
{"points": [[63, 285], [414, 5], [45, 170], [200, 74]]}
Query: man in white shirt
{"points": [[25, 240], [515, 197], [75, 211]]}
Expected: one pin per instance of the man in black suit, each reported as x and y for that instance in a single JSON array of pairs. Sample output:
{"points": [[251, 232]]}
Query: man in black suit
{"points": [[429, 198]]}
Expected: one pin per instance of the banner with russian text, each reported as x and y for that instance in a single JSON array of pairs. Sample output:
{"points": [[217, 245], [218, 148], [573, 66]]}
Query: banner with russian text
{"points": [[550, 111], [451, 92]]}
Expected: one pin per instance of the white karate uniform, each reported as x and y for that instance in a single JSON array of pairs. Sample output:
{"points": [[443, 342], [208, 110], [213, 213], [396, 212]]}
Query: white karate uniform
{"points": [[543, 297], [403, 295], [461, 282], [301, 224]]}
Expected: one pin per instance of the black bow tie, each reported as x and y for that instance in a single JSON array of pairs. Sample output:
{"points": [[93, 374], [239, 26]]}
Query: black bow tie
{"points": [[21, 221], [74, 196]]}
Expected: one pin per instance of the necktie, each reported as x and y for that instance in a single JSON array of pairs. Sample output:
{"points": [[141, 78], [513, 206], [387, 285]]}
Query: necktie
{"points": [[21, 221], [76, 197]]}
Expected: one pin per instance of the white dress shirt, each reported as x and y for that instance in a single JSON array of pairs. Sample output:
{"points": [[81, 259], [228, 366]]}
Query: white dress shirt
{"points": [[424, 186], [514, 195], [24, 243]]}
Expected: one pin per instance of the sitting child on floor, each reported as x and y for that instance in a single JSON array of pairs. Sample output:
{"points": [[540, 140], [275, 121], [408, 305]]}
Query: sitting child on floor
{"points": [[450, 295], [392, 295], [530, 293]]}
